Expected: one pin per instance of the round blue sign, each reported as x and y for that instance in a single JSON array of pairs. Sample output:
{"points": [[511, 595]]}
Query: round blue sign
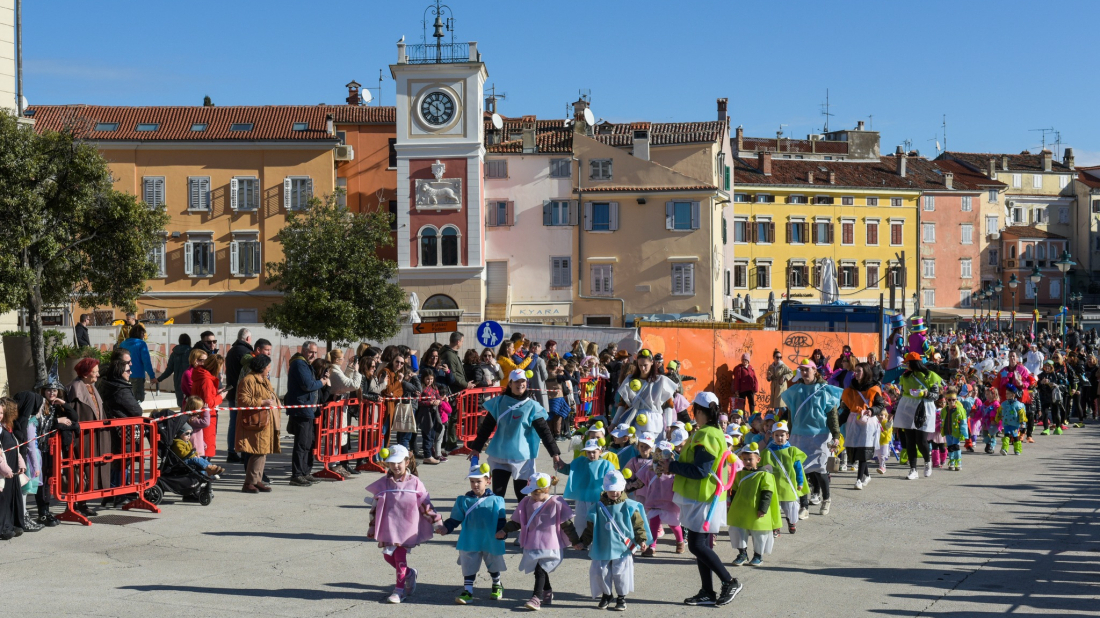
{"points": [[490, 334]]}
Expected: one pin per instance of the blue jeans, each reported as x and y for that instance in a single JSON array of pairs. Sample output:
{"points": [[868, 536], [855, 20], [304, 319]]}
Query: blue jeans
{"points": [[198, 463], [405, 438]]}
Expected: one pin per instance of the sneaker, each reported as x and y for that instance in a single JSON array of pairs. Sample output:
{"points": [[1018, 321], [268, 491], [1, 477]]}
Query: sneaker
{"points": [[535, 604], [882, 470], [397, 596], [928, 469], [1057, 431], [912, 474], [48, 520], [300, 481], [410, 581], [620, 604], [464, 599], [756, 560], [815, 498], [989, 449], [791, 528], [859, 484], [1065, 425], [342, 471], [1004, 451], [681, 547], [311, 478], [649, 552], [29, 525], [728, 591], [803, 513], [701, 598], [497, 593], [1045, 432], [605, 600], [825, 504], [742, 558], [547, 598], [866, 481], [431, 461]]}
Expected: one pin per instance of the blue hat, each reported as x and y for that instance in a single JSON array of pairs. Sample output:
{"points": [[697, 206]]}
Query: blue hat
{"points": [[897, 321]]}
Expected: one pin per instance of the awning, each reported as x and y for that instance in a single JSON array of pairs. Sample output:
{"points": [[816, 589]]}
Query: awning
{"points": [[542, 311]]}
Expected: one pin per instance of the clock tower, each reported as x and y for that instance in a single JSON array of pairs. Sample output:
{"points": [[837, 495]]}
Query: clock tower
{"points": [[439, 146]]}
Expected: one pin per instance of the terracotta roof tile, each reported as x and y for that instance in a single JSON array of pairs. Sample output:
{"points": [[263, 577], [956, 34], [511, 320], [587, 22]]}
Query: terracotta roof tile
{"points": [[269, 122], [642, 189], [1023, 162], [921, 174], [551, 136], [362, 114], [660, 133], [1026, 231], [1089, 176]]}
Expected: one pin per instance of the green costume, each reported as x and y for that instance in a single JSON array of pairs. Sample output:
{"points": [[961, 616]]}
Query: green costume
{"points": [[701, 490], [742, 513], [787, 491]]}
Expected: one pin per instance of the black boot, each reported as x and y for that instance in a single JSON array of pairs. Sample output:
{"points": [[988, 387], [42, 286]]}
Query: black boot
{"points": [[605, 600]]}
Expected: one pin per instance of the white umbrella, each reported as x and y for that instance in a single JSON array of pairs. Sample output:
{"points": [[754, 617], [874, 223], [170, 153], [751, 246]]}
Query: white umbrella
{"points": [[830, 293], [414, 308]]}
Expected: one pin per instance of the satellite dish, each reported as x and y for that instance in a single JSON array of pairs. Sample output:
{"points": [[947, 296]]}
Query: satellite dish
{"points": [[26, 103], [365, 96], [589, 118], [498, 122]]}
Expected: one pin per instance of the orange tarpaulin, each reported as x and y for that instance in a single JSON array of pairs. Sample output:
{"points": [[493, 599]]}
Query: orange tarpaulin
{"points": [[711, 354]]}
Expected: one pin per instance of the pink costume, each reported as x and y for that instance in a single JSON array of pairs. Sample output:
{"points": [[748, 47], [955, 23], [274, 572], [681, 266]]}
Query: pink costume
{"points": [[656, 496], [541, 523], [398, 519]]}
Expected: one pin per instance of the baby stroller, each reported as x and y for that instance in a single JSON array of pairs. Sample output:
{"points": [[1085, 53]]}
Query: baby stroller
{"points": [[175, 475]]}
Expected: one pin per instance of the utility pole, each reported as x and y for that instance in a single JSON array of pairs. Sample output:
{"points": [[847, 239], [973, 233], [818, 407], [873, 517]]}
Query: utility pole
{"points": [[19, 57]]}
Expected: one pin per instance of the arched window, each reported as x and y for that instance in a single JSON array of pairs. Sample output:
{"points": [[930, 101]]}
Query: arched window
{"points": [[1012, 252], [1040, 252], [450, 246], [1027, 252], [440, 301], [429, 247]]}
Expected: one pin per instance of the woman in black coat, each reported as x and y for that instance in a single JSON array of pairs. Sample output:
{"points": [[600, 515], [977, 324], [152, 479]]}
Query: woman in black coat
{"points": [[118, 402]]}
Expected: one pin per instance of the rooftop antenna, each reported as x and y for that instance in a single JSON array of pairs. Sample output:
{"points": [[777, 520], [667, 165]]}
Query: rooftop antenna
{"points": [[365, 93], [1057, 144], [494, 97], [944, 135], [935, 139], [1044, 132], [825, 111], [907, 145], [779, 136], [585, 94], [870, 122]]}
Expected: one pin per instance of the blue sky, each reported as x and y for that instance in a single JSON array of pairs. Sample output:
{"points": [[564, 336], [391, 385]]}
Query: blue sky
{"points": [[996, 69]]}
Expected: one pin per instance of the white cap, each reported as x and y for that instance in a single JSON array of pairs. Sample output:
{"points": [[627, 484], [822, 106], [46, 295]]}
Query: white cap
{"points": [[678, 436], [733, 429], [648, 438], [705, 398], [751, 448], [533, 483], [665, 445], [592, 445], [516, 375], [780, 426], [398, 454], [621, 431], [478, 471], [614, 481], [729, 440], [594, 429], [678, 424]]}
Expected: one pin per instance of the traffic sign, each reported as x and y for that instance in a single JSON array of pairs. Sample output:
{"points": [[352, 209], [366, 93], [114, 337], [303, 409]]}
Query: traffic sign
{"points": [[428, 328], [490, 334]]}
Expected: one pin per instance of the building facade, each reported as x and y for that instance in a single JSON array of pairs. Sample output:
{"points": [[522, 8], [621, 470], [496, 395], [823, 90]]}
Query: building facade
{"points": [[1025, 248], [227, 176], [1086, 245]]}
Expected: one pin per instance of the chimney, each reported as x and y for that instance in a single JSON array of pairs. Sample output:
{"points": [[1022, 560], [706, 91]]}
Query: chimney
{"points": [[765, 162], [1048, 159], [992, 167], [810, 177], [1004, 163], [641, 144], [722, 103], [1067, 159], [859, 126], [899, 154], [353, 93], [832, 178], [949, 180], [740, 139], [329, 125], [528, 135], [579, 124]]}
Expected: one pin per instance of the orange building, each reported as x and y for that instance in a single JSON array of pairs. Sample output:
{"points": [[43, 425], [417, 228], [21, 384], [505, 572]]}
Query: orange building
{"points": [[227, 176]]}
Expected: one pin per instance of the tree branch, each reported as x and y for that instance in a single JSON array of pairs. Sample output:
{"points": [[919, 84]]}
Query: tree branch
{"points": [[70, 246]]}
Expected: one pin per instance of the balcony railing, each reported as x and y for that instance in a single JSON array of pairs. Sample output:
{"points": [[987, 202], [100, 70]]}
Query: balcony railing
{"points": [[444, 53]]}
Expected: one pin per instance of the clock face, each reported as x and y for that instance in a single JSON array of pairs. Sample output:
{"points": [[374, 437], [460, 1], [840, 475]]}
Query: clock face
{"points": [[437, 108]]}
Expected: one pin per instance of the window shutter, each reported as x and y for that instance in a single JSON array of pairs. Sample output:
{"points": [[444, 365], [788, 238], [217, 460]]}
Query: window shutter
{"points": [[771, 231], [855, 276], [727, 181], [309, 190], [614, 208], [695, 215], [689, 278], [511, 213], [573, 212], [670, 215], [287, 189], [147, 191], [188, 258], [193, 193], [490, 216], [234, 184], [158, 191], [588, 215], [790, 231], [752, 278], [204, 193], [817, 276], [724, 238], [829, 230], [234, 257], [211, 256], [813, 231], [546, 217], [257, 265]]}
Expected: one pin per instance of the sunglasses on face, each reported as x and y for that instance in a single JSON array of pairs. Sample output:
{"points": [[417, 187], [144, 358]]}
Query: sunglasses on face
{"points": [[210, 341]]}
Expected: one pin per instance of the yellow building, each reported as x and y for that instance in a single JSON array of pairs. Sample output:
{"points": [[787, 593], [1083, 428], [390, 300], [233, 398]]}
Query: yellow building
{"points": [[789, 215], [227, 176]]}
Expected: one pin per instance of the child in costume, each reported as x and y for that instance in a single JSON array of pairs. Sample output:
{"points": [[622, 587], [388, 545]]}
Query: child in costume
{"points": [[643, 456], [918, 337], [586, 478], [991, 405], [790, 479], [482, 517], [936, 442], [1012, 416], [614, 529], [885, 439], [862, 433], [401, 517], [972, 404], [754, 510], [953, 424], [655, 494], [595, 432], [622, 444], [545, 523]]}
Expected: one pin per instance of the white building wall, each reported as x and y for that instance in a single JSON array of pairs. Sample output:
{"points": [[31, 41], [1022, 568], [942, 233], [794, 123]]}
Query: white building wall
{"points": [[7, 54], [529, 245]]}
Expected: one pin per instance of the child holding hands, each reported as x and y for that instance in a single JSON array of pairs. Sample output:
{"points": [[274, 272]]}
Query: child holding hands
{"points": [[481, 514]]}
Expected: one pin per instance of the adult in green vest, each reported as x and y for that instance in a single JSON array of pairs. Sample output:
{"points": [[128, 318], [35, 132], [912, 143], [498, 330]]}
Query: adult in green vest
{"points": [[701, 499]]}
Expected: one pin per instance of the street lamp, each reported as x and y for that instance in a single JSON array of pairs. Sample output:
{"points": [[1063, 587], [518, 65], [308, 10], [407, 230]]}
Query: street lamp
{"points": [[997, 287], [1035, 277], [1064, 264], [1012, 283]]}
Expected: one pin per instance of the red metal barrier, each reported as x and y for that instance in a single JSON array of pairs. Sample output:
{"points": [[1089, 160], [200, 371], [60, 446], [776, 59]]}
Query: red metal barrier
{"points": [[469, 410], [593, 402], [336, 423], [136, 464]]}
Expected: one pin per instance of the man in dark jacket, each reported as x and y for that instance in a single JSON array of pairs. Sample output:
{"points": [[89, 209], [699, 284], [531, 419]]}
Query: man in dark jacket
{"points": [[451, 356], [81, 328], [177, 364], [240, 348], [301, 389]]}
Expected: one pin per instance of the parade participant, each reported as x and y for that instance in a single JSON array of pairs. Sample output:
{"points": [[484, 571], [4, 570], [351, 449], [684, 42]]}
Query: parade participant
{"points": [[519, 423], [585, 477], [814, 429], [895, 344], [860, 405], [544, 523], [954, 428], [482, 517], [656, 494], [1016, 374], [754, 510], [916, 412], [1011, 416], [645, 397], [790, 478]]}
